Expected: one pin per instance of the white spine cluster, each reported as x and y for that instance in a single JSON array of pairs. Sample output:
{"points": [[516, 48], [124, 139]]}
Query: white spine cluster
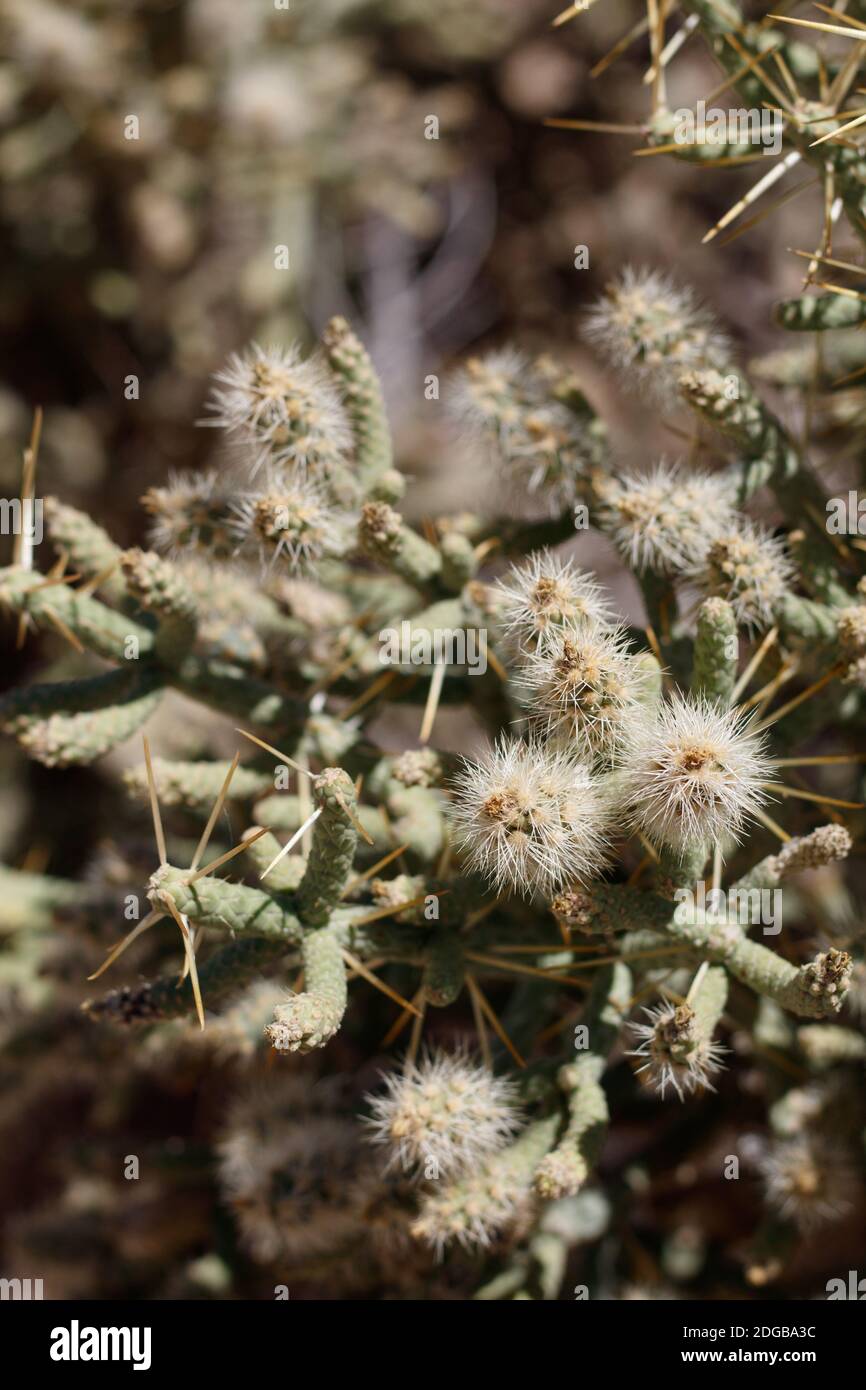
{"points": [[291, 1165], [675, 1051], [545, 592], [191, 515], [442, 1116], [286, 408], [290, 515], [696, 774], [585, 684], [651, 331], [749, 567], [806, 1181], [531, 817], [664, 520], [540, 445]]}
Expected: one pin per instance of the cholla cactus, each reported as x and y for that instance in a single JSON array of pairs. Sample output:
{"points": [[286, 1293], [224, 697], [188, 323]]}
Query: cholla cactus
{"points": [[807, 1181], [654, 331], [542, 593], [294, 1169], [696, 774], [583, 682], [749, 568], [288, 517], [666, 785], [283, 409], [192, 513], [443, 1116], [666, 520], [544, 814], [531, 817], [542, 433], [677, 1043]]}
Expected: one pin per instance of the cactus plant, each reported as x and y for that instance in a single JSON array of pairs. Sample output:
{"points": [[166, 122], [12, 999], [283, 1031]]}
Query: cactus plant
{"points": [[596, 898]]}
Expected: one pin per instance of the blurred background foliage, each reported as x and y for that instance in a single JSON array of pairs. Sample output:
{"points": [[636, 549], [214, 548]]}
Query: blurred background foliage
{"points": [[306, 127]]}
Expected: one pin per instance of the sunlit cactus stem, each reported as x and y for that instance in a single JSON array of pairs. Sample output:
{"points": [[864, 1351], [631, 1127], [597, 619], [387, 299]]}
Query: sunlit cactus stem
{"points": [[335, 839], [311, 1019], [564, 1170], [363, 394], [716, 651]]}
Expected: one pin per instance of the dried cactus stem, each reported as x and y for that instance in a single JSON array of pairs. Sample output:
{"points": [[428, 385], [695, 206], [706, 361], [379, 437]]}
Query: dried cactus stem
{"points": [[659, 599], [21, 706], [444, 969], [225, 689], [222, 975], [64, 739]]}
